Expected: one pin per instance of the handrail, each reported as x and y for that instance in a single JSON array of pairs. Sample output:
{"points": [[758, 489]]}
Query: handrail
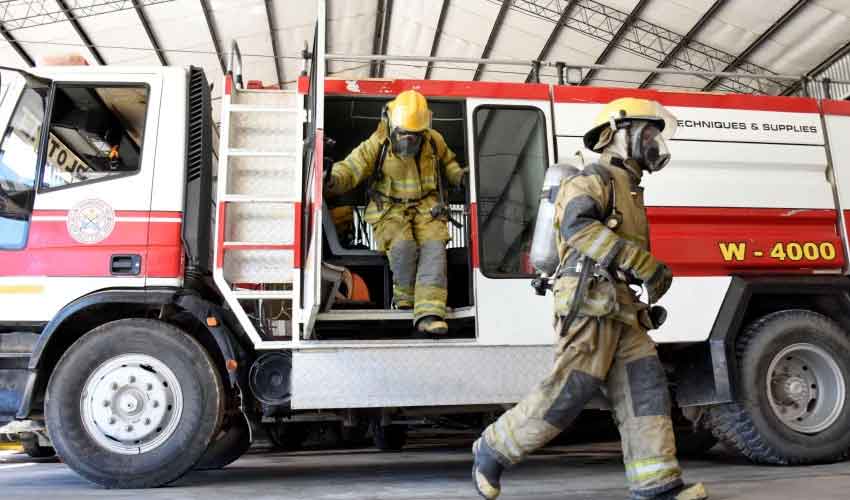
{"points": [[235, 57]]}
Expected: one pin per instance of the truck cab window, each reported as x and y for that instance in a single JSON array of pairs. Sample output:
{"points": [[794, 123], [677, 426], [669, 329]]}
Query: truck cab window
{"points": [[95, 134], [18, 162], [511, 158]]}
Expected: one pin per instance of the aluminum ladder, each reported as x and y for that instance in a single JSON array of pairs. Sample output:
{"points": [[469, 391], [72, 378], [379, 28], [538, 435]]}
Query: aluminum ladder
{"points": [[259, 208]]}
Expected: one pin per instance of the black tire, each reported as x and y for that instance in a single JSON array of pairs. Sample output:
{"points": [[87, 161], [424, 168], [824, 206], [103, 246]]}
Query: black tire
{"points": [[750, 425], [29, 442], [286, 436], [389, 437], [232, 442], [202, 399], [694, 442]]}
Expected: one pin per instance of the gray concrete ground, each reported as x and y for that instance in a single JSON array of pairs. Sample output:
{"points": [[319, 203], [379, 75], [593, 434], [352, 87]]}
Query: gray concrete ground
{"points": [[429, 470]]}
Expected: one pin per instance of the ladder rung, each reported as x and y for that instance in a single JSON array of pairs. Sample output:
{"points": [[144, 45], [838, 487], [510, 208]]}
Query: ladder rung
{"points": [[274, 154], [263, 294], [248, 198], [247, 245], [246, 108]]}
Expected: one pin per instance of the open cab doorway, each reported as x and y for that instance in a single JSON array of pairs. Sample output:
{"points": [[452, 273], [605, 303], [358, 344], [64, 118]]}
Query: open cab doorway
{"points": [[356, 297]]}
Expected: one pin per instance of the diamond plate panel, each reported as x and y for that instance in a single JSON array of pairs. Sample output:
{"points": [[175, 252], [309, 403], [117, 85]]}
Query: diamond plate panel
{"points": [[258, 266], [259, 176], [260, 223], [431, 375], [283, 99], [263, 131]]}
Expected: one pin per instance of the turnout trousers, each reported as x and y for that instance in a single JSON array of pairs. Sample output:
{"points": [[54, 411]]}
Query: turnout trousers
{"points": [[415, 243], [620, 360]]}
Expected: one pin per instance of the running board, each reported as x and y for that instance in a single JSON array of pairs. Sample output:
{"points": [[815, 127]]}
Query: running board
{"points": [[387, 314]]}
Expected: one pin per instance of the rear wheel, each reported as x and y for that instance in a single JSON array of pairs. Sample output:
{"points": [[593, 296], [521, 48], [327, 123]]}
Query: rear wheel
{"points": [[793, 401], [389, 437], [134, 404]]}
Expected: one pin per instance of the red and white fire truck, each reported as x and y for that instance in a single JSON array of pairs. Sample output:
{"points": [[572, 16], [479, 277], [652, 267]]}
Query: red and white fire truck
{"points": [[163, 293]]}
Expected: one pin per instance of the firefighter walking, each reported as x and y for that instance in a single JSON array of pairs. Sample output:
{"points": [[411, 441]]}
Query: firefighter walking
{"points": [[405, 162], [603, 248]]}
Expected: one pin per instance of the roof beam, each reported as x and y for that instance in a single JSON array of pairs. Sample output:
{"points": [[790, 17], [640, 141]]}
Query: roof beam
{"points": [[208, 15], [81, 32], [694, 31], [143, 18], [497, 26], [437, 35], [553, 36], [16, 46], [273, 34], [382, 31], [758, 42], [820, 68], [627, 24]]}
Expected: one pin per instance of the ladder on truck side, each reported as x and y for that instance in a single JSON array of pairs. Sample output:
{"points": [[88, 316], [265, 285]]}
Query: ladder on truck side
{"points": [[258, 214]]}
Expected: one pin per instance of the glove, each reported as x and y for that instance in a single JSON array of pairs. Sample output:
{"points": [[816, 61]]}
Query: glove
{"points": [[639, 263], [658, 284]]}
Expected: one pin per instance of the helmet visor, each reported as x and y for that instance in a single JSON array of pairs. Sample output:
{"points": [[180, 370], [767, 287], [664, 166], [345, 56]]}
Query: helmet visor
{"points": [[409, 118]]}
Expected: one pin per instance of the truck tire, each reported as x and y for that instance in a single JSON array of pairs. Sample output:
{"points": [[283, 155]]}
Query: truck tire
{"points": [[29, 442], [286, 436], [389, 437], [232, 442], [134, 403], [793, 403]]}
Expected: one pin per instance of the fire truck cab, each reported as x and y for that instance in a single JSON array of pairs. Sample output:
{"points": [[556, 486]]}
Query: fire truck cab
{"points": [[168, 285]]}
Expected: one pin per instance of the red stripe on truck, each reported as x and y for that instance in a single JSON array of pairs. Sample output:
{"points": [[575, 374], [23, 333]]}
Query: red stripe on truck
{"points": [[574, 94], [440, 88], [724, 241], [51, 251]]}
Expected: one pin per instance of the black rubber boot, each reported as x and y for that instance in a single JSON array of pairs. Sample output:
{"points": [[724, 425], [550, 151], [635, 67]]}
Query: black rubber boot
{"points": [[486, 470], [681, 492], [432, 325]]}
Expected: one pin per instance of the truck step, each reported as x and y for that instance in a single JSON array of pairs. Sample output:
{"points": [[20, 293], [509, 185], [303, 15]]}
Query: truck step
{"points": [[263, 294]]}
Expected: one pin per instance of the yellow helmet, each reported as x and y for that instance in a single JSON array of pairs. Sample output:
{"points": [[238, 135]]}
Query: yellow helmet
{"points": [[627, 109], [409, 112]]}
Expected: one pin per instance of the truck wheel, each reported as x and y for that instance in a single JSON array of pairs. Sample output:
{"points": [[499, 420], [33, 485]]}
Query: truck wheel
{"points": [[389, 437], [793, 405], [134, 404], [286, 436], [232, 442], [29, 442]]}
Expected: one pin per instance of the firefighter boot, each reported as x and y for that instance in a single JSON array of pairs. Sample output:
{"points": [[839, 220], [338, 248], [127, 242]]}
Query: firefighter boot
{"points": [[432, 325], [682, 492], [486, 470]]}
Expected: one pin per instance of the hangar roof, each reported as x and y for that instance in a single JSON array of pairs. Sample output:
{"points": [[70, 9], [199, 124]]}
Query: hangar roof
{"points": [[788, 37]]}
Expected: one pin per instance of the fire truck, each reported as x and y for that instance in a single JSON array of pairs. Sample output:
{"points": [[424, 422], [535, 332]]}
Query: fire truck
{"points": [[169, 285]]}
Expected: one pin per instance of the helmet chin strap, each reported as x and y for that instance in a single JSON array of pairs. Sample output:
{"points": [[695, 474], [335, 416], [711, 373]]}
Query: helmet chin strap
{"points": [[617, 153]]}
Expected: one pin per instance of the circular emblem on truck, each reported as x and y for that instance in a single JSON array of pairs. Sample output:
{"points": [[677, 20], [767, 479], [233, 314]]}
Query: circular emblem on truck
{"points": [[90, 221]]}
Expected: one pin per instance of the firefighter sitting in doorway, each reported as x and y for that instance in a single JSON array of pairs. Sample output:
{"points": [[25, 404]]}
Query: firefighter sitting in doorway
{"points": [[404, 162], [602, 246]]}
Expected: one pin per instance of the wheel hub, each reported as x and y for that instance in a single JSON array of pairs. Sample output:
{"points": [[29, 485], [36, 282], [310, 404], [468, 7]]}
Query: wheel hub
{"points": [[131, 404], [806, 388]]}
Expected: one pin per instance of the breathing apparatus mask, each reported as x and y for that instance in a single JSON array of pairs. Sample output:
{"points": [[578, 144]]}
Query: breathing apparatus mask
{"points": [[647, 146], [405, 143]]}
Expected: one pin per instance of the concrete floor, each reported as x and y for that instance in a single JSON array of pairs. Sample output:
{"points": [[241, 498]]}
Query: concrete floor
{"points": [[428, 470]]}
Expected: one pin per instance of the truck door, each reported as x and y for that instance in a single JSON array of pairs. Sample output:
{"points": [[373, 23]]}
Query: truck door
{"points": [[313, 163], [81, 150], [511, 149]]}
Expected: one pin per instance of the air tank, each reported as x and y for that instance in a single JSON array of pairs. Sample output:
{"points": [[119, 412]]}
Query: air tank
{"points": [[544, 247]]}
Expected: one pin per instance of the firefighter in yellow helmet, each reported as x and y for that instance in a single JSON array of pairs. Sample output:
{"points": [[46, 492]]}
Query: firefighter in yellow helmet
{"points": [[405, 162], [603, 345]]}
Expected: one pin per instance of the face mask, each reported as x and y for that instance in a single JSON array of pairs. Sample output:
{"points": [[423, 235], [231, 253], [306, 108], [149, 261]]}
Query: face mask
{"points": [[649, 148], [405, 144]]}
